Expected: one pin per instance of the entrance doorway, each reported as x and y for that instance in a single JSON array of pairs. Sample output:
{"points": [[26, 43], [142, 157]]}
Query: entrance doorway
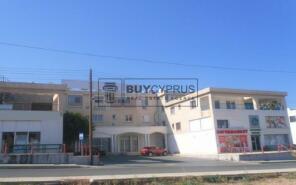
{"points": [[8, 140], [256, 144], [129, 144]]}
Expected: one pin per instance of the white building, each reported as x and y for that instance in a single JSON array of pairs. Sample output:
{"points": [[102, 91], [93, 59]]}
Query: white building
{"points": [[217, 120], [292, 119], [30, 114]]}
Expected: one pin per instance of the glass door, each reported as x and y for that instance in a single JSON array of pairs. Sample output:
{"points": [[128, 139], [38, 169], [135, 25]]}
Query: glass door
{"points": [[134, 140], [256, 144]]}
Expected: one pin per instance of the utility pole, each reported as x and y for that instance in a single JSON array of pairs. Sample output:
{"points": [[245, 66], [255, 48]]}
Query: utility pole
{"points": [[90, 117]]}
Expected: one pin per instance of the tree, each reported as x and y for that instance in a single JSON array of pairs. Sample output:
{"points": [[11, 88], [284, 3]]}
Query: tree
{"points": [[73, 124]]}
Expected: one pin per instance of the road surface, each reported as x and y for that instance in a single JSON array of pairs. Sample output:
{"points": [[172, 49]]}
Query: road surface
{"points": [[127, 165]]}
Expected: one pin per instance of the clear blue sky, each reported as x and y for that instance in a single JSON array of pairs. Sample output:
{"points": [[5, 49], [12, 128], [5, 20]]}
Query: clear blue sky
{"points": [[232, 33]]}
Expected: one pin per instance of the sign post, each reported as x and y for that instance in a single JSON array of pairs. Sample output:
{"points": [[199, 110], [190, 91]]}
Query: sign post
{"points": [[81, 137]]}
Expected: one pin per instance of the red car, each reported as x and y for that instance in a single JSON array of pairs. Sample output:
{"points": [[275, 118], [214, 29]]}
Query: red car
{"points": [[153, 150]]}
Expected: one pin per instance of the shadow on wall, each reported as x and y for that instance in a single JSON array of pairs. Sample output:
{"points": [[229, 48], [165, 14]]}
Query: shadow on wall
{"points": [[172, 145]]}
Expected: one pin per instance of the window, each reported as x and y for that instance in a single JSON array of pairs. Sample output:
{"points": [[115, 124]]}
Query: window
{"points": [[127, 100], [222, 124], [34, 137], [102, 144], [128, 118], [230, 105], [145, 102], [172, 110], [273, 140], [193, 104], [97, 118], [173, 126], [41, 106], [217, 104], [163, 123], [204, 103], [114, 116], [292, 118], [254, 121], [21, 138], [270, 104], [178, 126], [75, 100], [249, 105], [99, 99]]}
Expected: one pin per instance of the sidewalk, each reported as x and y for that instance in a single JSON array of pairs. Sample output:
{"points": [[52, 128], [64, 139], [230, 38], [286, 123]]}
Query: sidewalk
{"points": [[40, 166]]}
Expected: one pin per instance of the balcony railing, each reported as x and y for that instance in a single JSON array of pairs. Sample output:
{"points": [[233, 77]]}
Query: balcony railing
{"points": [[29, 106], [246, 107], [34, 148]]}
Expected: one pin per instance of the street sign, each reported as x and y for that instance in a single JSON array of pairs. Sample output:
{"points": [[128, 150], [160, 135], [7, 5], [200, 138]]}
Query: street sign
{"points": [[81, 136]]}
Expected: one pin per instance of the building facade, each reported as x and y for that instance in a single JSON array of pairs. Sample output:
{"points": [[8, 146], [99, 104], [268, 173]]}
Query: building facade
{"points": [[210, 121], [227, 120], [123, 127], [30, 113]]}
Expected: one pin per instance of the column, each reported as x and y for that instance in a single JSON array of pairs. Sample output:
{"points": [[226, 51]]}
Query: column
{"points": [[166, 141], [114, 143], [148, 139], [255, 103]]}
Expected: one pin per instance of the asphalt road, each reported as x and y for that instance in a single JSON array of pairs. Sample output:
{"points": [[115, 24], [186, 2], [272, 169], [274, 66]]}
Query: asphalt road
{"points": [[126, 165]]}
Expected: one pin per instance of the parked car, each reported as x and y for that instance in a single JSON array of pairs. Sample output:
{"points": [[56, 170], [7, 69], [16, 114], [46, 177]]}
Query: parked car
{"points": [[153, 150]]}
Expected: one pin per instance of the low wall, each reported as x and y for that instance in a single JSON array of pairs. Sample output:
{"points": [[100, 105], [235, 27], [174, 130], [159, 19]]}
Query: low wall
{"points": [[55, 158], [268, 156]]}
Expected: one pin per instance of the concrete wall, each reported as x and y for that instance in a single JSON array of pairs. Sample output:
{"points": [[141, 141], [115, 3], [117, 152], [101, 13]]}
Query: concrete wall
{"points": [[292, 112], [199, 139], [49, 124], [202, 142]]}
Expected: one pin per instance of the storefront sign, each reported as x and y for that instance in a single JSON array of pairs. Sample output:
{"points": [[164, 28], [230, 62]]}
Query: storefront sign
{"points": [[232, 131]]}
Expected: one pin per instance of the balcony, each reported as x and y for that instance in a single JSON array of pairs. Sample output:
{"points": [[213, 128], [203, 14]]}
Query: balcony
{"points": [[44, 106], [249, 106]]}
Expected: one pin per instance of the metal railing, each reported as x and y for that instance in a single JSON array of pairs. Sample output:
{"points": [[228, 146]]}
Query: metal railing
{"points": [[245, 107], [34, 148], [29, 106]]}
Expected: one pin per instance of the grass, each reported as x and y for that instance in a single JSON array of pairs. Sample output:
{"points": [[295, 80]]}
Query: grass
{"points": [[262, 179]]}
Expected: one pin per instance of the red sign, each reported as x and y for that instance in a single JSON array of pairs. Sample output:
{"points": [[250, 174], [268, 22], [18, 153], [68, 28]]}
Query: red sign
{"points": [[232, 131]]}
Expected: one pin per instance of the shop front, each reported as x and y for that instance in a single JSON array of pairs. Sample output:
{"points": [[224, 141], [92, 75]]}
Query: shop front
{"points": [[233, 141]]}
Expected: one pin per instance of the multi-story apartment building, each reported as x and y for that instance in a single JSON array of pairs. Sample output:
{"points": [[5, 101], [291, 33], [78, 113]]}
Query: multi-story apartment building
{"points": [[31, 113], [217, 120], [210, 121], [124, 126]]}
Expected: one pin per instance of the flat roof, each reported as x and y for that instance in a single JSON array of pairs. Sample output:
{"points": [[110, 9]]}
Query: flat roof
{"points": [[245, 91], [33, 86]]}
